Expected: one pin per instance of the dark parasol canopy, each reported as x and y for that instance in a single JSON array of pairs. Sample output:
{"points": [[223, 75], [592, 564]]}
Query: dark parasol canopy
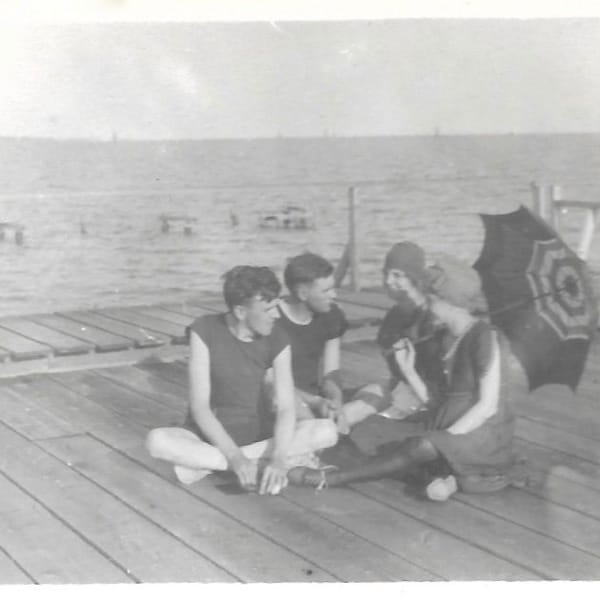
{"points": [[540, 295]]}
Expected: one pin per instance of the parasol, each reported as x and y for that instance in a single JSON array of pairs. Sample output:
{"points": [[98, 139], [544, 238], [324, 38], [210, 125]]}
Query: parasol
{"points": [[540, 295]]}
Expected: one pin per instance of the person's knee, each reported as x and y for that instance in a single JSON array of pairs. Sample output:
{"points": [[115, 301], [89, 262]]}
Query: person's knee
{"points": [[324, 434], [157, 442]]}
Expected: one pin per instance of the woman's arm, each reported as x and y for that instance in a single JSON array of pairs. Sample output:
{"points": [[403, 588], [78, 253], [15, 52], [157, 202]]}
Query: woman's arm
{"points": [[405, 358], [211, 427], [274, 475], [488, 392]]}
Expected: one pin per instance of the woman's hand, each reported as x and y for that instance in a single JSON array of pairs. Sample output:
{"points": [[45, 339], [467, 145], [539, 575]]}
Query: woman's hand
{"points": [[404, 352]]}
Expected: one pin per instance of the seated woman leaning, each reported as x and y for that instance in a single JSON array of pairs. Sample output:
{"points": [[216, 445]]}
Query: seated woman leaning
{"points": [[464, 440]]}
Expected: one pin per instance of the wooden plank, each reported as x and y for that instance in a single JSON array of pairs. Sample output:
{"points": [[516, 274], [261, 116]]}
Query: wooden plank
{"points": [[157, 312], [202, 527], [415, 540], [60, 343], [45, 547], [175, 372], [216, 304], [141, 548], [101, 340], [20, 412], [132, 317], [541, 554], [569, 493], [555, 462], [140, 337], [22, 348], [190, 307], [552, 437], [84, 415], [10, 572], [120, 400], [333, 548], [558, 522], [151, 386]]}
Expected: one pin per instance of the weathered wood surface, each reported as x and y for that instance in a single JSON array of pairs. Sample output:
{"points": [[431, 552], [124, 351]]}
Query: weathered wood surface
{"points": [[119, 335], [83, 502]]}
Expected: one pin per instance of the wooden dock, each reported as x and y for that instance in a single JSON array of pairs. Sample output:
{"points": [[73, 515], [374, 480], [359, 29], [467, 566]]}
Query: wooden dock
{"points": [[81, 502]]}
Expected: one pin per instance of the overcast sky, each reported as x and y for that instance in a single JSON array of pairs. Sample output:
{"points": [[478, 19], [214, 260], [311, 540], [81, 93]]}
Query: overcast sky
{"points": [[186, 80]]}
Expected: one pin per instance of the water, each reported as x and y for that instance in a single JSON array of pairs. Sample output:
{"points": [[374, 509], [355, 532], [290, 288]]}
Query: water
{"points": [[430, 190]]}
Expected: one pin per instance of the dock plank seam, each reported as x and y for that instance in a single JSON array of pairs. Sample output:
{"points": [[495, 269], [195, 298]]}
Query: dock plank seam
{"points": [[56, 351], [133, 508], [365, 539], [119, 382], [174, 338], [453, 534], [17, 564], [463, 499], [148, 341], [58, 517], [112, 347], [215, 506]]}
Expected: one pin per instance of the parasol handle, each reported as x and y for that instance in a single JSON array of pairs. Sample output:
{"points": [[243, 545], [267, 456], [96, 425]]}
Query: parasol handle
{"points": [[519, 303]]}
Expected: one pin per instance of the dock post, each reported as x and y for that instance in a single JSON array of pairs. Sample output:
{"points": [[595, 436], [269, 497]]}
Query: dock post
{"points": [[341, 268], [352, 241], [536, 204], [556, 195], [587, 232], [542, 202]]}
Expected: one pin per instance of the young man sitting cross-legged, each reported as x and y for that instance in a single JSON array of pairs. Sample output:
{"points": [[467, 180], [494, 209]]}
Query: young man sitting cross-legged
{"points": [[231, 423]]}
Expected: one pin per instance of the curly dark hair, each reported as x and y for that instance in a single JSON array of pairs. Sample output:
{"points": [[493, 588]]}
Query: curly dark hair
{"points": [[244, 282], [306, 268]]}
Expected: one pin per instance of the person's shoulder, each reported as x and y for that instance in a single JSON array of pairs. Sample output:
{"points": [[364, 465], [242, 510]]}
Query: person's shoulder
{"points": [[205, 324]]}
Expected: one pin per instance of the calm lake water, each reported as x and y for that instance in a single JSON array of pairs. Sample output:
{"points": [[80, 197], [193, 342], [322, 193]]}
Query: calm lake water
{"points": [[427, 189]]}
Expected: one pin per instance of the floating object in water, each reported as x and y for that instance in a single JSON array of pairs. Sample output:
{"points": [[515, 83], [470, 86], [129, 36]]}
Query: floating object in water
{"points": [[168, 221], [17, 230], [82, 228], [233, 219], [289, 217]]}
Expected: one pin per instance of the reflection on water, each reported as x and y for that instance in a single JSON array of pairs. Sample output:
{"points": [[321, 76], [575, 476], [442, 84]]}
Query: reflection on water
{"points": [[434, 189]]}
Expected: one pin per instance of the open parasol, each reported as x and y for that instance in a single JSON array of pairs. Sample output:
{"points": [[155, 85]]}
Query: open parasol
{"points": [[540, 295]]}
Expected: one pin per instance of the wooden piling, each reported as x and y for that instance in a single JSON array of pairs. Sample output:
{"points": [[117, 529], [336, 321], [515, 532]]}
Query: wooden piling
{"points": [[353, 250], [536, 204], [587, 232], [556, 195]]}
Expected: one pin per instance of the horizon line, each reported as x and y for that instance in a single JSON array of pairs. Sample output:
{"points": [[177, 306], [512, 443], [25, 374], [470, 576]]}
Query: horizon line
{"points": [[117, 139]]}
